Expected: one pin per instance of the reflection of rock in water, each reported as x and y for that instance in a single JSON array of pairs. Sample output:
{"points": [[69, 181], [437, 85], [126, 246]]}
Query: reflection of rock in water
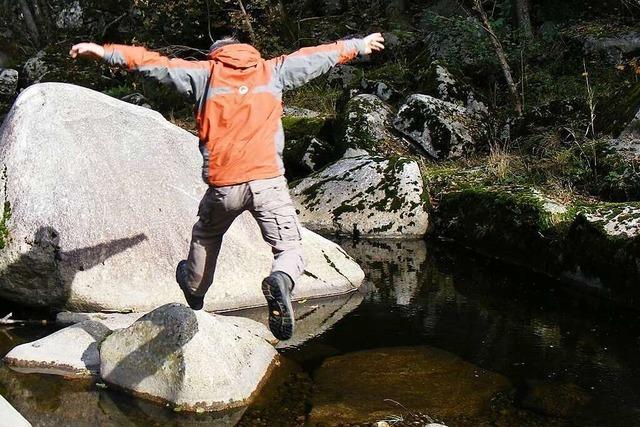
{"points": [[313, 318], [392, 267], [356, 387], [139, 412], [50, 401]]}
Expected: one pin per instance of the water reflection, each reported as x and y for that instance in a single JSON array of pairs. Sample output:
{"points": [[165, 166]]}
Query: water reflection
{"points": [[570, 360]]}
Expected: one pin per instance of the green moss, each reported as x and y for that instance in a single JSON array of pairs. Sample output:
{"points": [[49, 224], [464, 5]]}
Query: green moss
{"points": [[4, 232], [299, 127]]}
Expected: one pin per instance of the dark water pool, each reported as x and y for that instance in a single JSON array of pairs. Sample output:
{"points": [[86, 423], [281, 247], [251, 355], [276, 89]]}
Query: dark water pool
{"points": [[554, 357]]}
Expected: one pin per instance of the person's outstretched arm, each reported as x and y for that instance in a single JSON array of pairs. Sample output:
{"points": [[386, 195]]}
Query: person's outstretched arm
{"points": [[188, 77], [306, 64]]}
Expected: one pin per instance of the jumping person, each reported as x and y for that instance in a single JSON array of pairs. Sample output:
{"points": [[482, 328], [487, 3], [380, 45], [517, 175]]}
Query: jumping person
{"points": [[238, 108]]}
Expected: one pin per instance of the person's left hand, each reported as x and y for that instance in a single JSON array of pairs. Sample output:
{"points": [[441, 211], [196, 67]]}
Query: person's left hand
{"points": [[87, 50], [374, 43]]}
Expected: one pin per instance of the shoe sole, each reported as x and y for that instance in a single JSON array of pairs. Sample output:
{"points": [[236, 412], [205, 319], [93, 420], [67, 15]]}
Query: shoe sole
{"points": [[281, 320]]}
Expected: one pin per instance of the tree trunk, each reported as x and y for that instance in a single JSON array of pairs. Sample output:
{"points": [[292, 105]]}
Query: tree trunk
{"points": [[30, 22], [247, 21], [523, 12], [502, 57]]}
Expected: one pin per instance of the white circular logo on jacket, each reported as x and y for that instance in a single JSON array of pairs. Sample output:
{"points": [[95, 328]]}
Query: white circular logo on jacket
{"points": [[243, 90]]}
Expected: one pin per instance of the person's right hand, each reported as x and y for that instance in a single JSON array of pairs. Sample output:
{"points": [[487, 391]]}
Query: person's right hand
{"points": [[87, 50], [373, 42]]}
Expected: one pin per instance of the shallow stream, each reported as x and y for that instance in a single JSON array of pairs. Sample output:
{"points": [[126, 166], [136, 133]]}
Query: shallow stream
{"points": [[435, 333]]}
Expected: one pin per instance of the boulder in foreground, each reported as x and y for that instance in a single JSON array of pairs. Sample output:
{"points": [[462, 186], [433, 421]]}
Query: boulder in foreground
{"points": [[191, 360], [100, 197]]}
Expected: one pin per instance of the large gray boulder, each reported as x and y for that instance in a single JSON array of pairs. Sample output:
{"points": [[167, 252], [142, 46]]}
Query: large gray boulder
{"points": [[188, 359], [443, 129], [100, 197], [364, 195]]}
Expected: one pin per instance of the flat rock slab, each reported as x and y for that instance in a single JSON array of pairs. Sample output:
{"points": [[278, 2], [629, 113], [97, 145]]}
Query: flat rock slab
{"points": [[191, 360], [71, 352], [103, 195], [356, 387], [364, 195]]}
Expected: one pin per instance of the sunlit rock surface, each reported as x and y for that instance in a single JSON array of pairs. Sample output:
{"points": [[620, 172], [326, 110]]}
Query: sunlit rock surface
{"points": [[71, 352], [191, 360], [11, 417], [365, 196], [100, 197], [443, 129]]}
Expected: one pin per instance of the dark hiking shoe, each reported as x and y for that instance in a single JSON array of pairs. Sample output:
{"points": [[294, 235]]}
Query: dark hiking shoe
{"points": [[277, 290], [196, 303]]}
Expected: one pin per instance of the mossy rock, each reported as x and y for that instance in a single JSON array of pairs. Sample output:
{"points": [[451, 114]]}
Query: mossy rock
{"points": [[594, 247], [298, 127], [367, 125], [443, 129]]}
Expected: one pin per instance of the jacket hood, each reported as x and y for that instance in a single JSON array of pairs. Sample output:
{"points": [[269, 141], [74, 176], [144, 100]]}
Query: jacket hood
{"points": [[238, 55]]}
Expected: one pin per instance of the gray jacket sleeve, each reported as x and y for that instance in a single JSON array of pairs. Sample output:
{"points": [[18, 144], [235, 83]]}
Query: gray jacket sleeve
{"points": [[306, 64], [188, 77]]}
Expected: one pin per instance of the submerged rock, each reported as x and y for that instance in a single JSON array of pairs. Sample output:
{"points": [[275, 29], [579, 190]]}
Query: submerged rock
{"points": [[70, 352], [557, 399], [364, 196], [100, 196], [191, 360], [361, 387], [443, 129]]}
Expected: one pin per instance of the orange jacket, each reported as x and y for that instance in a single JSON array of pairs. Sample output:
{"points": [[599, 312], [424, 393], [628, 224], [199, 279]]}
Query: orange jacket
{"points": [[238, 99]]}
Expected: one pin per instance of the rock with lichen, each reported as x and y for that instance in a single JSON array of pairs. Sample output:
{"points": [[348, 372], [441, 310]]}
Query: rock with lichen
{"points": [[8, 82], [443, 129], [189, 360], [366, 196], [368, 124], [439, 82]]}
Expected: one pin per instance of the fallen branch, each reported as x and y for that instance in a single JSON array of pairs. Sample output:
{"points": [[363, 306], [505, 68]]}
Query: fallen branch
{"points": [[8, 321]]}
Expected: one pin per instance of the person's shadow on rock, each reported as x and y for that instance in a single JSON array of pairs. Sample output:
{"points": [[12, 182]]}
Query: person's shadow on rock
{"points": [[43, 275]]}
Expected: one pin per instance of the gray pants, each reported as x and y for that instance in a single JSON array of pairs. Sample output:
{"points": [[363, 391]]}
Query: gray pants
{"points": [[270, 203]]}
